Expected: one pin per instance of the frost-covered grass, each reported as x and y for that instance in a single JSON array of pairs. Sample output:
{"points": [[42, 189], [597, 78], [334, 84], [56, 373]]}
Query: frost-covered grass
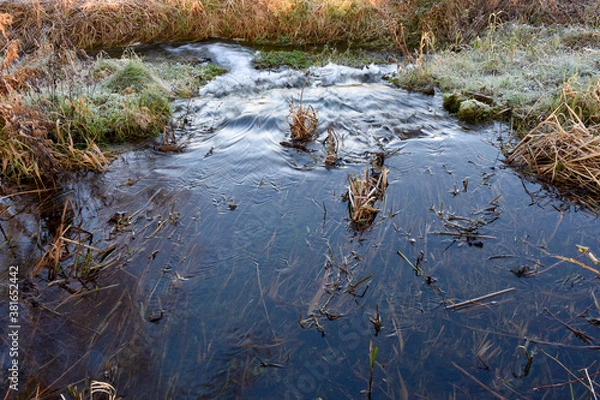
{"points": [[524, 69]]}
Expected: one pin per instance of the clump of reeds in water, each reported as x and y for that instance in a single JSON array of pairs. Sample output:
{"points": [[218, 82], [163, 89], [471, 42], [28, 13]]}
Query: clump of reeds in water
{"points": [[303, 120], [363, 192], [563, 151]]}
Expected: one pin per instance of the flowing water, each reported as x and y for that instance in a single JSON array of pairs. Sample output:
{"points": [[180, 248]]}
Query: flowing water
{"points": [[239, 275]]}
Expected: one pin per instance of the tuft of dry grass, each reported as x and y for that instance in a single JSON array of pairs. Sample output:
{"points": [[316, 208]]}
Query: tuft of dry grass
{"points": [[363, 192], [303, 120], [563, 151]]}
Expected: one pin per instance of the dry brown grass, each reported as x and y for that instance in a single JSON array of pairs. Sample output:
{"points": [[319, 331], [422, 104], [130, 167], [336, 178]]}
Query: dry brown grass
{"points": [[302, 119], [104, 24], [563, 151], [303, 122], [363, 192], [463, 20], [32, 146]]}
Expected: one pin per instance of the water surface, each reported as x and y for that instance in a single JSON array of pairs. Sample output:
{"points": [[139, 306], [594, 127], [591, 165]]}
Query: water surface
{"points": [[241, 252]]}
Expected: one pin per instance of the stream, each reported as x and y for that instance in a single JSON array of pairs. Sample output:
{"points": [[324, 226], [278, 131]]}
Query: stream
{"points": [[237, 272]]}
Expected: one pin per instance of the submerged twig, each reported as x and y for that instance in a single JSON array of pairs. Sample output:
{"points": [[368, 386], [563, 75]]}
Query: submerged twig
{"points": [[478, 299], [577, 379], [587, 339], [262, 297], [563, 384]]}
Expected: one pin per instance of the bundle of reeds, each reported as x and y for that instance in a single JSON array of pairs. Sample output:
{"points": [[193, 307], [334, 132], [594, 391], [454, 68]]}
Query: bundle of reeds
{"points": [[363, 192], [563, 151], [303, 121]]}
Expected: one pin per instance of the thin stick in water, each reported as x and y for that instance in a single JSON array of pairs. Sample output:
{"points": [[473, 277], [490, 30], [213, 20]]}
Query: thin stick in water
{"points": [[478, 299]]}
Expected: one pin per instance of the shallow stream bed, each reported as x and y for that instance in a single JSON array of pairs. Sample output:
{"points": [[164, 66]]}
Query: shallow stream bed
{"points": [[238, 274]]}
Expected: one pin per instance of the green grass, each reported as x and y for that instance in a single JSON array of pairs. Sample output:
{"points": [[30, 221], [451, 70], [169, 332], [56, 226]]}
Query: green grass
{"points": [[57, 125], [274, 59], [320, 56], [128, 104]]}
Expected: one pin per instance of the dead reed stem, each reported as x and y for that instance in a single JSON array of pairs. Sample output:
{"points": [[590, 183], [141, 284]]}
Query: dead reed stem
{"points": [[332, 146], [478, 299]]}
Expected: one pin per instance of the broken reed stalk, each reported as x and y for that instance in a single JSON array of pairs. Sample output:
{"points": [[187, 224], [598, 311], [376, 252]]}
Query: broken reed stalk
{"points": [[577, 262], [478, 299], [562, 150], [332, 146], [363, 193], [169, 143]]}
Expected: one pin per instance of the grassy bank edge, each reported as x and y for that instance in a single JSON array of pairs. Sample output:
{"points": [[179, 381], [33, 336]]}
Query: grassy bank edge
{"points": [[544, 81]]}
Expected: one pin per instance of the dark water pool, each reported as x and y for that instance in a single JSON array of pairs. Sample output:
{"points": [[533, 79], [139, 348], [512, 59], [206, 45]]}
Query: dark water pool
{"points": [[240, 252]]}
